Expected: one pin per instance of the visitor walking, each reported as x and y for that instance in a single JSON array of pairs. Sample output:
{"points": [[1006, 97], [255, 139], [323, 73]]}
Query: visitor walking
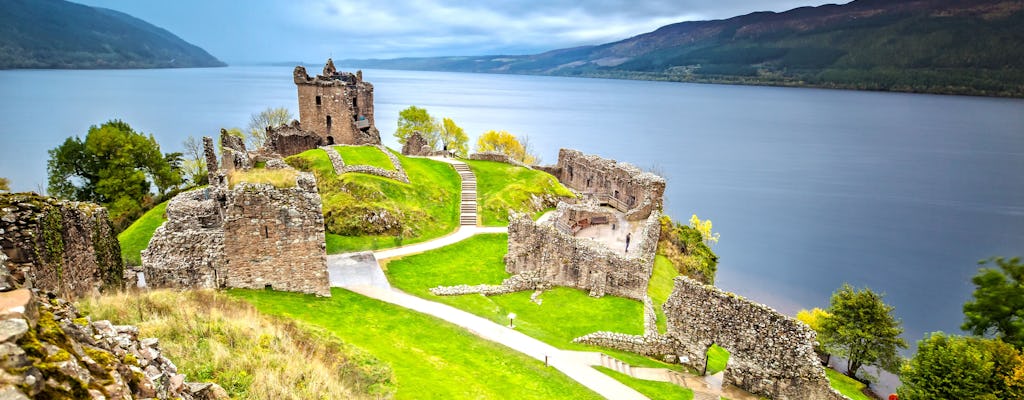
{"points": [[627, 242]]}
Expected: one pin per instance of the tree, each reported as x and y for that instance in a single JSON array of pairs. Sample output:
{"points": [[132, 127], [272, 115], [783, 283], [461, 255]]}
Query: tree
{"points": [[957, 367], [454, 138], [862, 329], [258, 123], [505, 143], [414, 119], [5, 184], [193, 168], [998, 305], [114, 166], [704, 227], [812, 317]]}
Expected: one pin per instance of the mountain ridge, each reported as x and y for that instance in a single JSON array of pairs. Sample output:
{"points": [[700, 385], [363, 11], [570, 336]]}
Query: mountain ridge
{"points": [[57, 34], [971, 47]]}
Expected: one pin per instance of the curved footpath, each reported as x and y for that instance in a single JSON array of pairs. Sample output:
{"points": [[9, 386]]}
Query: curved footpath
{"points": [[361, 273]]}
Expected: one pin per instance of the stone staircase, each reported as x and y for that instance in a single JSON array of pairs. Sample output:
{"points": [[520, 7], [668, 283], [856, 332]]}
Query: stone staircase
{"points": [[468, 207]]}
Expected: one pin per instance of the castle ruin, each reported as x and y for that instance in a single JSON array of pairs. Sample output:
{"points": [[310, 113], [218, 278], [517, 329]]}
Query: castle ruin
{"points": [[251, 235], [337, 106]]}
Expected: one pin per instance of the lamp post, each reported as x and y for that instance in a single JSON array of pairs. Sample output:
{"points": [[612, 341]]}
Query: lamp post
{"points": [[511, 317]]}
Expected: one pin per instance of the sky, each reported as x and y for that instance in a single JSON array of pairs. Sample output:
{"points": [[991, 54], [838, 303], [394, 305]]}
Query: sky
{"points": [[256, 31]]}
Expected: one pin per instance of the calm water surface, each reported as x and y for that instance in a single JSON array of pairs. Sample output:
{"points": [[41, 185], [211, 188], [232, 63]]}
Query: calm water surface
{"points": [[809, 188]]}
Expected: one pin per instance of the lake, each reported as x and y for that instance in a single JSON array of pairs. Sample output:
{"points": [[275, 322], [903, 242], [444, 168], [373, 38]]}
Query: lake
{"points": [[809, 188]]}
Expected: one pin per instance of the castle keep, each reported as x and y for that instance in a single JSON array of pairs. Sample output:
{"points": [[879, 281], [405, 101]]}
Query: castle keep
{"points": [[337, 106]]}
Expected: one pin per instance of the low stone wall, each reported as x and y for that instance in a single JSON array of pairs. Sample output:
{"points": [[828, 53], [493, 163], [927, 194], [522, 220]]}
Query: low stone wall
{"points": [[397, 174], [498, 157], [560, 259], [656, 346], [515, 283], [60, 246], [771, 354], [50, 351]]}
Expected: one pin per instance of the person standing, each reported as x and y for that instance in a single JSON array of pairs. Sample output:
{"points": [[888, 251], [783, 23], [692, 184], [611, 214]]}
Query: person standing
{"points": [[627, 242]]}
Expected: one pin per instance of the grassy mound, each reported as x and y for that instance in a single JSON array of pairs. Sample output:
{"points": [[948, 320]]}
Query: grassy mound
{"points": [[431, 358], [364, 212], [364, 155], [501, 187], [661, 286], [213, 337], [652, 389], [136, 237]]}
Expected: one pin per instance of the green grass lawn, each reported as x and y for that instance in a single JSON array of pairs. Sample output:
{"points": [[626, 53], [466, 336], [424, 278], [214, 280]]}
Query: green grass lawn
{"points": [[652, 389], [501, 187], [364, 155], [661, 287], [425, 209], [431, 359], [563, 315], [135, 239], [718, 358], [848, 386]]}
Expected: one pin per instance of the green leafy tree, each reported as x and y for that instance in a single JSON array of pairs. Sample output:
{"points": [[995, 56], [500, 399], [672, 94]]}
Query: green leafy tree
{"points": [[957, 367], [414, 119], [114, 166], [259, 122], [998, 305], [862, 329], [505, 143], [454, 138], [812, 317]]}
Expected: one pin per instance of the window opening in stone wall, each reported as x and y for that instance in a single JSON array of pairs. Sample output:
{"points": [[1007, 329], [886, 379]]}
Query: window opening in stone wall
{"points": [[616, 195], [330, 140], [355, 107], [328, 122], [569, 168], [318, 100], [266, 232], [716, 359], [632, 201]]}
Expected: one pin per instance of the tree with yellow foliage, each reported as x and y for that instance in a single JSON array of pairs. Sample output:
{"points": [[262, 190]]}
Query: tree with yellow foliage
{"points": [[454, 138], [704, 227], [505, 143]]}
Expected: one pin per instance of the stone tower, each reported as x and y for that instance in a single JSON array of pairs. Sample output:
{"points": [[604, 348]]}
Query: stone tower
{"points": [[337, 106]]}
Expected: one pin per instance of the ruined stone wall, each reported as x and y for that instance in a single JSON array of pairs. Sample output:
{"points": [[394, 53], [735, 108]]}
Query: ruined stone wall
{"points": [[275, 238], [233, 153], [188, 249], [416, 145], [631, 188], [334, 105], [251, 236], [60, 246], [289, 140], [561, 259], [771, 354], [48, 350]]}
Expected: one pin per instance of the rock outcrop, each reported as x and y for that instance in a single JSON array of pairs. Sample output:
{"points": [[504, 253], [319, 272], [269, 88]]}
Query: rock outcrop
{"points": [[60, 246], [48, 350]]}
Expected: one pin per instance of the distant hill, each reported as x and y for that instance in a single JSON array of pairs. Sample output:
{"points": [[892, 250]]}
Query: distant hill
{"points": [[60, 34], [971, 47]]}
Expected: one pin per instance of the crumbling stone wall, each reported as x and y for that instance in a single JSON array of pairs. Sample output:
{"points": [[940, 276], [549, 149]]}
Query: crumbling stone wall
{"points": [[48, 350], [60, 246], [561, 259], [188, 249], [498, 157], [251, 236], [275, 238], [337, 106], [416, 145], [398, 173], [771, 354], [620, 185], [289, 140], [233, 152]]}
